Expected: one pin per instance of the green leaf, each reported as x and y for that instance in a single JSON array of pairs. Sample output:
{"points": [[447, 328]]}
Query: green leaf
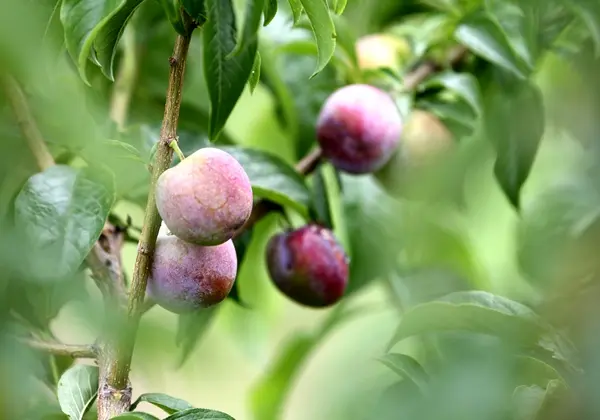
{"points": [[480, 312], [268, 394], [61, 213], [225, 78], [254, 11], [165, 402], [200, 414], [270, 10], [255, 74], [463, 84], [190, 330], [589, 12], [108, 33], [478, 33], [323, 29], [47, 300], [406, 367], [135, 415], [296, 6], [557, 232], [273, 179], [196, 9], [536, 403], [77, 390], [99, 23], [520, 27], [514, 123], [340, 6], [372, 219]]}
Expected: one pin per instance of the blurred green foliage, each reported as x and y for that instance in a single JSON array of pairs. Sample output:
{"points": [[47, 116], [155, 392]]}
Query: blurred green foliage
{"points": [[478, 300]]}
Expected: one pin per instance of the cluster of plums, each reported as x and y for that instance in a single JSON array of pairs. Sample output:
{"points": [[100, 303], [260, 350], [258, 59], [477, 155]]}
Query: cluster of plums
{"points": [[203, 201], [207, 198]]}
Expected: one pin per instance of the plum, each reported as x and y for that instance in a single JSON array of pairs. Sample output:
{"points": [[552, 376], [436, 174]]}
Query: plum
{"points": [[206, 198], [358, 128], [308, 265], [425, 141], [185, 277], [381, 50]]}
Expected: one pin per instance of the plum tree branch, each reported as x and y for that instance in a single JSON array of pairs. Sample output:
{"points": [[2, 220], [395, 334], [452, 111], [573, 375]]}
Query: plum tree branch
{"points": [[106, 277], [27, 124], [311, 161], [60, 349], [114, 396]]}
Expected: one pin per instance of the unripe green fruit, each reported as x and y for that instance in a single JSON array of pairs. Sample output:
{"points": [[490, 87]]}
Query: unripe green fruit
{"points": [[206, 198], [186, 277], [381, 50], [424, 142]]}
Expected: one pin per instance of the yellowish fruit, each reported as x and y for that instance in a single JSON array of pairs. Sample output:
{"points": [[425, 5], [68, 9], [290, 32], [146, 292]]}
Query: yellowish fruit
{"points": [[424, 138], [381, 50], [424, 142]]}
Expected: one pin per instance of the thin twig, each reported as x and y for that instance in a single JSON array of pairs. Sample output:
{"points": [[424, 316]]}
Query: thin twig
{"points": [[97, 260], [59, 349], [29, 128], [114, 395], [105, 258]]}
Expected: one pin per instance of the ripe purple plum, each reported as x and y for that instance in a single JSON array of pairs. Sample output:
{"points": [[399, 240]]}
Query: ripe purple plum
{"points": [[206, 198], [186, 277], [358, 128], [308, 265]]}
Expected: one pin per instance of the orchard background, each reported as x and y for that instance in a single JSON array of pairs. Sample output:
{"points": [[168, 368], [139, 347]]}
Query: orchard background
{"points": [[472, 289]]}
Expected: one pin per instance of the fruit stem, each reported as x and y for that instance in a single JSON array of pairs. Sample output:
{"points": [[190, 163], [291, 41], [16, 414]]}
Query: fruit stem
{"points": [[114, 395], [175, 146]]}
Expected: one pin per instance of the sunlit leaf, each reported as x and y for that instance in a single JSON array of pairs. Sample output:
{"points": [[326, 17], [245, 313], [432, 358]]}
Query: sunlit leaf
{"points": [[165, 402], [200, 414], [296, 6], [77, 390], [95, 26], [255, 74], [323, 29], [136, 415]]}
